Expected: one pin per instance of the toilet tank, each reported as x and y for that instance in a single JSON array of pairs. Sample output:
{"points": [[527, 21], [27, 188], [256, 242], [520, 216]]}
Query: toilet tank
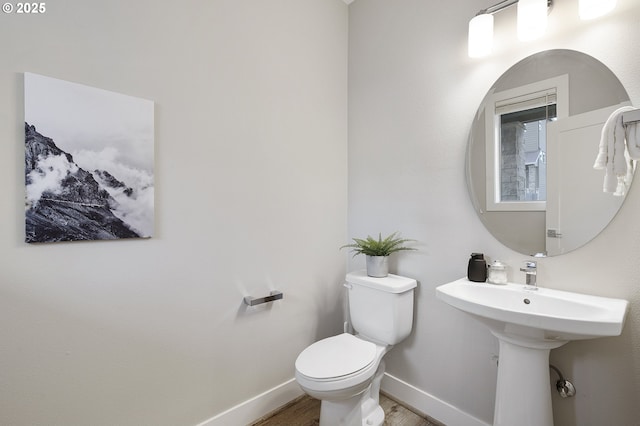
{"points": [[381, 309]]}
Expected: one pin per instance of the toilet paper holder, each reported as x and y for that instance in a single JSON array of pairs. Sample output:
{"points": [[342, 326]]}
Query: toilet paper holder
{"points": [[274, 295]]}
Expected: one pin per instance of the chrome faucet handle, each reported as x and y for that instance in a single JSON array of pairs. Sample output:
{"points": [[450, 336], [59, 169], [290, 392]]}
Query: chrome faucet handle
{"points": [[530, 267]]}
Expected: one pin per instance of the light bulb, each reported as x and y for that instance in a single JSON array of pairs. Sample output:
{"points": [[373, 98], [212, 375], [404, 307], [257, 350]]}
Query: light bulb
{"points": [[480, 35], [532, 19]]}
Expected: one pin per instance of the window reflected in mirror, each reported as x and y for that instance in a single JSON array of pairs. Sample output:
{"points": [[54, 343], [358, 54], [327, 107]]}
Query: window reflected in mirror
{"points": [[517, 150], [523, 153]]}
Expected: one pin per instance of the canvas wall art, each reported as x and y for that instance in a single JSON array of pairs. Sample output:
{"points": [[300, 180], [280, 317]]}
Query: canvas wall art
{"points": [[89, 159]]}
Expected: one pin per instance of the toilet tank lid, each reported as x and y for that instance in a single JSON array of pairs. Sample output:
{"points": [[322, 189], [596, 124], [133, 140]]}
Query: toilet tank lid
{"points": [[391, 283]]}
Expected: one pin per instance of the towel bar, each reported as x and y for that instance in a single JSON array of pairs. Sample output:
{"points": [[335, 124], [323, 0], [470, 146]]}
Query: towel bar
{"points": [[631, 116], [274, 295]]}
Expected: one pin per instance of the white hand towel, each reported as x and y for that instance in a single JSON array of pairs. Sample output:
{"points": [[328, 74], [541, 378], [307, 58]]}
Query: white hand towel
{"points": [[611, 152]]}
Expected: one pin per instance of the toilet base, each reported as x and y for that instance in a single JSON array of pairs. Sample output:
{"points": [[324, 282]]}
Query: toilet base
{"points": [[360, 410], [375, 416]]}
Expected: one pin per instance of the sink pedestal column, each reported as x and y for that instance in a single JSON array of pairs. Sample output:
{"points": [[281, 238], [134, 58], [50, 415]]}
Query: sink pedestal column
{"points": [[523, 392]]}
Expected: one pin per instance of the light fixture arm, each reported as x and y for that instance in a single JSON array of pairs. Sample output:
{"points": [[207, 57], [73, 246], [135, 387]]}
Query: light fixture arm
{"points": [[503, 5], [497, 7]]}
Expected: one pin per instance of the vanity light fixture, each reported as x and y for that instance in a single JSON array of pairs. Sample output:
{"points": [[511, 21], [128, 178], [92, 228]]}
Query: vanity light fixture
{"points": [[532, 22], [590, 9]]}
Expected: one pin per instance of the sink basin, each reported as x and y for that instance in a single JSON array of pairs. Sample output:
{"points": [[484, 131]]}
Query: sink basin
{"points": [[528, 323], [543, 313]]}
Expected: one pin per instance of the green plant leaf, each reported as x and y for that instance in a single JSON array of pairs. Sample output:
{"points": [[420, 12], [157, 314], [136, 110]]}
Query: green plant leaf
{"points": [[379, 247]]}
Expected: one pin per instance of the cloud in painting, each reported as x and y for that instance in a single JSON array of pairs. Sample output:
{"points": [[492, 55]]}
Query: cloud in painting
{"points": [[81, 117], [133, 207], [47, 176]]}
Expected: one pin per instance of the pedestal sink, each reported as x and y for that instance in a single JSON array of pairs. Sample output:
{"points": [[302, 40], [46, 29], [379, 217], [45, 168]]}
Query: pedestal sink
{"points": [[529, 322]]}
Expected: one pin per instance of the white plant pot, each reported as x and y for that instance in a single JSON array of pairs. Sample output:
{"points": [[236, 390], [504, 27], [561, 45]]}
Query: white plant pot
{"points": [[378, 266]]}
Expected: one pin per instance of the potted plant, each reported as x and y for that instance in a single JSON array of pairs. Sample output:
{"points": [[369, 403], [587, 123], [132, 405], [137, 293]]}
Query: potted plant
{"points": [[378, 251]]}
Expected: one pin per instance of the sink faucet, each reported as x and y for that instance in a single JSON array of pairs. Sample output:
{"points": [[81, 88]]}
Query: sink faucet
{"points": [[530, 269]]}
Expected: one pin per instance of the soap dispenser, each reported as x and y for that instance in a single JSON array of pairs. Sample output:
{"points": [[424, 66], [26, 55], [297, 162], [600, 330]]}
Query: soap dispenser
{"points": [[477, 269]]}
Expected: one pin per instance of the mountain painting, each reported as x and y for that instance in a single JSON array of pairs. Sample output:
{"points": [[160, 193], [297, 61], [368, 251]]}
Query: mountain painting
{"points": [[88, 163]]}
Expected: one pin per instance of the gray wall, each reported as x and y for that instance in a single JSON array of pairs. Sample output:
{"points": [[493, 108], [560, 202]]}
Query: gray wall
{"points": [[251, 133], [413, 93]]}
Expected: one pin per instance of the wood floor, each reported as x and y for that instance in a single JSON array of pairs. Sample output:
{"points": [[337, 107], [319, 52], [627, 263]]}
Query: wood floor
{"points": [[305, 411]]}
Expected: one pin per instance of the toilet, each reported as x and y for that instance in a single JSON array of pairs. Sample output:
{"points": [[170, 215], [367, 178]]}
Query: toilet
{"points": [[344, 371]]}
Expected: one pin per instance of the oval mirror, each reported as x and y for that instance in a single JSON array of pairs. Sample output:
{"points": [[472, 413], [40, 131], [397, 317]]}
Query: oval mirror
{"points": [[532, 148]]}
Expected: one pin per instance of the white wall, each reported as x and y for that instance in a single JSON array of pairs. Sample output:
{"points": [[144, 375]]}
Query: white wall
{"points": [[413, 93], [251, 193]]}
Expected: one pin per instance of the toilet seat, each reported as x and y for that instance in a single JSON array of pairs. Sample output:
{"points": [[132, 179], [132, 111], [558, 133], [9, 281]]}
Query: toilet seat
{"points": [[336, 357], [337, 366]]}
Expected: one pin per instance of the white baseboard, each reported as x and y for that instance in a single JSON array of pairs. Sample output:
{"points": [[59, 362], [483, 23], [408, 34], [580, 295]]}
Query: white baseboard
{"points": [[426, 403], [253, 409]]}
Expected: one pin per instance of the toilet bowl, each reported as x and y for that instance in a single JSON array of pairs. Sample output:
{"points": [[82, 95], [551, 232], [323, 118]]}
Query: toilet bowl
{"points": [[345, 371], [338, 366], [341, 371]]}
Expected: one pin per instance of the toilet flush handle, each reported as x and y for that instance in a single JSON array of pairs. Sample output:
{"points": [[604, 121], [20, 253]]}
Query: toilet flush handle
{"points": [[347, 285]]}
